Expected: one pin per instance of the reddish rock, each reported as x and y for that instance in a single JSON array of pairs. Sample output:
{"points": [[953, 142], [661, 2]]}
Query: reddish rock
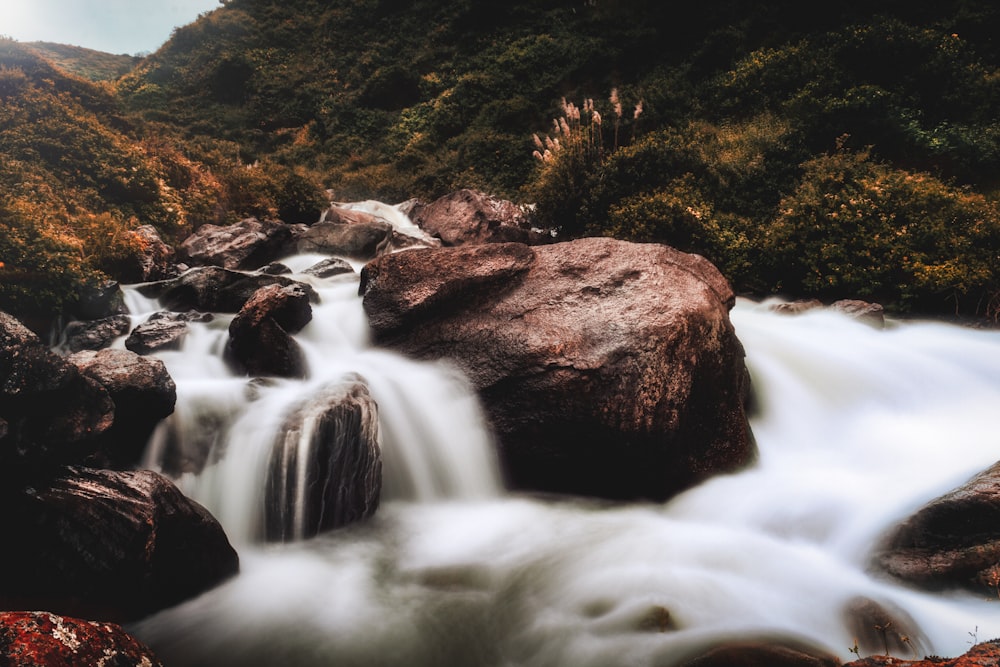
{"points": [[107, 545], [606, 368], [51, 410], [260, 341], [864, 311], [248, 244], [41, 639], [952, 542], [883, 628], [797, 307], [155, 260], [469, 216], [986, 654], [143, 393]]}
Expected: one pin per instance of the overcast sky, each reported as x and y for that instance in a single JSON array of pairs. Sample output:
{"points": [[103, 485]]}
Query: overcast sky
{"points": [[115, 26]]}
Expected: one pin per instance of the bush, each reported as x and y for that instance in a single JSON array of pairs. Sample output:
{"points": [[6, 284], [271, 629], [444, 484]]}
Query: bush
{"points": [[855, 227]]}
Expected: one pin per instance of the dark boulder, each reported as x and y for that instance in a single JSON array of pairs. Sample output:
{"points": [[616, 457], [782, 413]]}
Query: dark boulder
{"points": [[883, 628], [260, 341], [469, 216], [107, 545], [215, 290], [606, 368], [143, 393], [332, 266], [248, 244], [100, 301], [163, 331], [42, 639], [763, 652], [952, 542], [336, 432], [51, 410], [95, 334]]}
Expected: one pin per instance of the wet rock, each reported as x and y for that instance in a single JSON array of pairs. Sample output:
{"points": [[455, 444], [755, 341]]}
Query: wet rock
{"points": [[796, 307], [980, 655], [248, 244], [952, 542], [100, 301], [333, 266], [864, 311], [51, 410], [163, 331], [336, 431], [143, 393], [606, 368], [763, 653], [107, 545], [469, 216], [95, 334], [275, 269], [214, 289], [260, 341], [361, 240], [42, 639], [883, 628]]}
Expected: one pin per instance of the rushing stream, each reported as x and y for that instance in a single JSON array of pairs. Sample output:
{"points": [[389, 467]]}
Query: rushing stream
{"points": [[857, 427]]}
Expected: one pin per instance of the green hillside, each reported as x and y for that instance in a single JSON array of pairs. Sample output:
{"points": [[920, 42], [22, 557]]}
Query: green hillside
{"points": [[844, 150]]}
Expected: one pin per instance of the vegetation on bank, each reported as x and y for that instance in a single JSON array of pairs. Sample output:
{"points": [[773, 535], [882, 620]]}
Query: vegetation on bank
{"points": [[850, 150]]}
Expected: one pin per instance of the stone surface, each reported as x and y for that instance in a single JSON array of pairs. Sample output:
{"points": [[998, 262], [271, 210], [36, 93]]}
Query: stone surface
{"points": [[606, 368], [864, 311], [986, 654], [100, 301], [248, 244], [95, 334], [155, 261], [51, 410], [106, 545], [214, 289], [163, 331], [952, 542], [469, 216], [332, 266], [360, 240], [882, 627], [260, 341], [143, 393], [337, 432], [763, 653], [42, 639]]}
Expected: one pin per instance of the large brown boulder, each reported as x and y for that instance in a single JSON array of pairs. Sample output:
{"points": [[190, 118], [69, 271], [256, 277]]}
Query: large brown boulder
{"points": [[143, 393], [51, 411], [42, 639], [763, 652], [214, 289], [952, 542], [336, 432], [260, 336], [606, 368], [247, 244], [470, 216], [107, 545]]}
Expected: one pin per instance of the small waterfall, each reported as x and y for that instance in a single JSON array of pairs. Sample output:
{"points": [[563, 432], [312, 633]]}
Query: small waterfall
{"points": [[260, 454], [856, 427]]}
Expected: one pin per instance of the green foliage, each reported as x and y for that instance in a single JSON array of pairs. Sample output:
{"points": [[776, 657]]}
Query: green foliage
{"points": [[857, 227]]}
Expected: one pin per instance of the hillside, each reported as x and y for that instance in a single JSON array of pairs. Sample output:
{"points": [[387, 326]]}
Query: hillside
{"points": [[86, 63], [848, 150]]}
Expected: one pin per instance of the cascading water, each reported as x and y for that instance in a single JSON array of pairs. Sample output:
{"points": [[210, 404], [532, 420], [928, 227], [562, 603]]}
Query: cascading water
{"points": [[857, 427]]}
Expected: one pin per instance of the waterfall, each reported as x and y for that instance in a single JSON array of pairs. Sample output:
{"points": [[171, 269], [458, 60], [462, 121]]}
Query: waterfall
{"points": [[857, 427], [227, 445]]}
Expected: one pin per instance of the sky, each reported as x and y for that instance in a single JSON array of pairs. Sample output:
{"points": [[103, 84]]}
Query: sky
{"points": [[115, 26]]}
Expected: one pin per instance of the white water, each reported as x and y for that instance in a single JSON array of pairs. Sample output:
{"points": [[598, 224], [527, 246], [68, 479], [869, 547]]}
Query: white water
{"points": [[857, 428]]}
